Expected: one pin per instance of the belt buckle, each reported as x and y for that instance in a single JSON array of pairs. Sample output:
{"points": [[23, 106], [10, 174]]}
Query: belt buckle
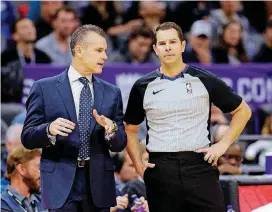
{"points": [[81, 163]]}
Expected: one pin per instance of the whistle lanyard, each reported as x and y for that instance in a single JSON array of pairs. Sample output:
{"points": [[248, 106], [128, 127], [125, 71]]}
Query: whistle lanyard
{"points": [[18, 201], [23, 60]]}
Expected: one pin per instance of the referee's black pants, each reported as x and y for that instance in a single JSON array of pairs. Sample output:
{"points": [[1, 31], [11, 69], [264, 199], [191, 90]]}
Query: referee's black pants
{"points": [[183, 181]]}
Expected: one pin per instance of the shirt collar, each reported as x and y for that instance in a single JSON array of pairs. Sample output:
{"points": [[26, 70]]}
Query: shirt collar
{"points": [[74, 75], [16, 194], [33, 198], [118, 184]]}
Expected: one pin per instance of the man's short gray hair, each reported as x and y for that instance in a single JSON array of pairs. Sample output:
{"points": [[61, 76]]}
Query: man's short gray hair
{"points": [[79, 35]]}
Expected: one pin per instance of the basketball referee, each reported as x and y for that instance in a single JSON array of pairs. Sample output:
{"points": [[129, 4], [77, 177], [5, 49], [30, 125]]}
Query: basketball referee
{"points": [[176, 100]]}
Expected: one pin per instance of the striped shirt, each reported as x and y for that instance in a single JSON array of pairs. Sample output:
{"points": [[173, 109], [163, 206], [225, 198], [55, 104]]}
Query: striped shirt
{"points": [[177, 110]]}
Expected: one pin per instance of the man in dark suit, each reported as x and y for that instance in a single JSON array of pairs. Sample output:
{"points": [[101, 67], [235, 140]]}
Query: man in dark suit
{"points": [[77, 172]]}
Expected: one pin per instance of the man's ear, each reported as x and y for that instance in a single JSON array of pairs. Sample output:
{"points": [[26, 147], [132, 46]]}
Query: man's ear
{"points": [[20, 169], [79, 51], [15, 37], [183, 45], [155, 49], [53, 23]]}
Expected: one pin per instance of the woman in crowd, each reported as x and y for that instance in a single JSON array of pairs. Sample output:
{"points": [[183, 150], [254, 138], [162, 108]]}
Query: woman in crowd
{"points": [[230, 48]]}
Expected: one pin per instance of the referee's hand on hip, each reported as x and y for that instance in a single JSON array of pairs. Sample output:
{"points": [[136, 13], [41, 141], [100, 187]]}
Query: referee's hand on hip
{"points": [[146, 166], [214, 152]]}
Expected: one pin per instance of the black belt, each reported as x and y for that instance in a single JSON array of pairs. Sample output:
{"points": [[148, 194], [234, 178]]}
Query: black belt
{"points": [[178, 155]]}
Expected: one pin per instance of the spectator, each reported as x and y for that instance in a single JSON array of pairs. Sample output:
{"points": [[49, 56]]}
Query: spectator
{"points": [[265, 53], [124, 170], [230, 48], [57, 43], [152, 12], [43, 23], [198, 50], [232, 11], [137, 186], [23, 171], [13, 140], [24, 34], [139, 49], [230, 162], [125, 173], [227, 13]]}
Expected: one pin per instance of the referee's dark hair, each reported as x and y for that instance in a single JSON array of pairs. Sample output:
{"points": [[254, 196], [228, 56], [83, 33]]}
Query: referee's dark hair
{"points": [[166, 26]]}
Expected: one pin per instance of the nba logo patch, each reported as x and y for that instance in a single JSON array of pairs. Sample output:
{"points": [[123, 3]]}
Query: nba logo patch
{"points": [[189, 88]]}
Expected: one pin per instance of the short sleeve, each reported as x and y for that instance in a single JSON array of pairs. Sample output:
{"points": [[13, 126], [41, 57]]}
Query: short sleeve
{"points": [[223, 96], [135, 113]]}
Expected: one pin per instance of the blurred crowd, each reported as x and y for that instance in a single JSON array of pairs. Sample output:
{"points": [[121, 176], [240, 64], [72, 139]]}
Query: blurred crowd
{"points": [[216, 32], [33, 32]]}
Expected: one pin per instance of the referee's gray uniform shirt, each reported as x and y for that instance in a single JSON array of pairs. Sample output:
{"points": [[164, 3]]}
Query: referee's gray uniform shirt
{"points": [[177, 110]]}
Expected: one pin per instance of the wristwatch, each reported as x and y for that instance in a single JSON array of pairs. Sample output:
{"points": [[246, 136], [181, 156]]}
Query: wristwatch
{"points": [[51, 137], [115, 127], [112, 133]]}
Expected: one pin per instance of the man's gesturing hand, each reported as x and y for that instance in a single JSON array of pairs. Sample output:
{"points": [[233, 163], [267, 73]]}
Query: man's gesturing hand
{"points": [[61, 127], [104, 122], [214, 152]]}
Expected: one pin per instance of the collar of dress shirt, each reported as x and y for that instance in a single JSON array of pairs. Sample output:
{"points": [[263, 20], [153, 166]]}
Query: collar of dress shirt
{"points": [[73, 75], [22, 197]]}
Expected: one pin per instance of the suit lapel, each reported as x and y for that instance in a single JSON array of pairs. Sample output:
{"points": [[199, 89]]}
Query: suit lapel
{"points": [[65, 92], [98, 98]]}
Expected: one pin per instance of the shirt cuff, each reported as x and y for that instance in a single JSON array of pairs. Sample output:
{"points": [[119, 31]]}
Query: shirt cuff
{"points": [[108, 137], [52, 139]]}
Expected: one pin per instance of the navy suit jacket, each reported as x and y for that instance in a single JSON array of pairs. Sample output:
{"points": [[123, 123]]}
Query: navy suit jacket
{"points": [[51, 98]]}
